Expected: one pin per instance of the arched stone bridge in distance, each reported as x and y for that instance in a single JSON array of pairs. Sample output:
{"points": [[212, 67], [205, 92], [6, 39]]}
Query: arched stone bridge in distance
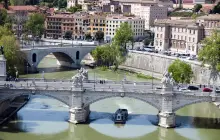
{"points": [[69, 55], [167, 101]]}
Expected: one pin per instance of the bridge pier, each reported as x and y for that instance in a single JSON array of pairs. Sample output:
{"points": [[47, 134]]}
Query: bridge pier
{"points": [[167, 119], [79, 115]]}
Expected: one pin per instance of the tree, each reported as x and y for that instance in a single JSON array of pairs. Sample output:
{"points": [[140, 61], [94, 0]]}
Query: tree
{"points": [[3, 16], [99, 36], [210, 54], [74, 9], [68, 34], [35, 24], [197, 8], [181, 71], [123, 35], [216, 8], [88, 36], [147, 41], [105, 55], [11, 51]]}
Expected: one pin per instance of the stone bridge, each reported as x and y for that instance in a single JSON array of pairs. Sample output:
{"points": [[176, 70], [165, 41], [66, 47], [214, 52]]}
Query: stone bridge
{"points": [[69, 55], [166, 100]]}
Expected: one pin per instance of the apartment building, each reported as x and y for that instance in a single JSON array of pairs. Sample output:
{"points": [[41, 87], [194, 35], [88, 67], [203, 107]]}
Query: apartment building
{"points": [[147, 10], [113, 22], [181, 36], [210, 22], [53, 26], [97, 23]]}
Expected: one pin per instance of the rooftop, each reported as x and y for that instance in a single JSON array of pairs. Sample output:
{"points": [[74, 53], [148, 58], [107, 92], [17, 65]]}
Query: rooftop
{"points": [[175, 22], [137, 1], [116, 16], [210, 17], [22, 8]]}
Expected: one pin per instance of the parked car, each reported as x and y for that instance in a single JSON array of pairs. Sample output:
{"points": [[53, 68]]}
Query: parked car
{"points": [[207, 90], [217, 90], [193, 88], [184, 89]]}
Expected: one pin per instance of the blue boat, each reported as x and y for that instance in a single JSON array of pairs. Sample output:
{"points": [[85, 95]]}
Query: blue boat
{"points": [[121, 116]]}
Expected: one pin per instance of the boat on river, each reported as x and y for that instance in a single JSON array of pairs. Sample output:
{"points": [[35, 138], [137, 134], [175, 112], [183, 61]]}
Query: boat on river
{"points": [[121, 116]]}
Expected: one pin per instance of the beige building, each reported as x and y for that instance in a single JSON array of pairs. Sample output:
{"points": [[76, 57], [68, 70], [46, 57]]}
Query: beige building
{"points": [[113, 22], [209, 22], [182, 36], [149, 10]]}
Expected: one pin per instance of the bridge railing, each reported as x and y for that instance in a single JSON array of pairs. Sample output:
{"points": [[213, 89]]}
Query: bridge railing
{"points": [[89, 81]]}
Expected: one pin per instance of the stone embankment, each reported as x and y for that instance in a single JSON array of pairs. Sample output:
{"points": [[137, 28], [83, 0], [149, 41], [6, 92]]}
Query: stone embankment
{"points": [[148, 63], [14, 107]]}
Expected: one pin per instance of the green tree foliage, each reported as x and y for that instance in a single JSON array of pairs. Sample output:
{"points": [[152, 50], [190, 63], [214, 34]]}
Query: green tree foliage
{"points": [[3, 16], [147, 41], [216, 8], [75, 8], [35, 24], [181, 71], [105, 55], [114, 53], [11, 51], [210, 52], [88, 36], [197, 7], [68, 34], [18, 2], [99, 36], [123, 35]]}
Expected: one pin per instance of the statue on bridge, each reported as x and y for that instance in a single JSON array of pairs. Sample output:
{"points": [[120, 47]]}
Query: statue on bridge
{"points": [[81, 76], [167, 80]]}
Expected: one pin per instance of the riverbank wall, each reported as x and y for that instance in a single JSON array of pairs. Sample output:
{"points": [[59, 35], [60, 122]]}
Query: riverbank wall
{"points": [[13, 108], [145, 62]]}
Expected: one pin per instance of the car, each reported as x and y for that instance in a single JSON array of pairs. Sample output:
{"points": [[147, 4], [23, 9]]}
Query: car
{"points": [[184, 89], [207, 90], [193, 88]]}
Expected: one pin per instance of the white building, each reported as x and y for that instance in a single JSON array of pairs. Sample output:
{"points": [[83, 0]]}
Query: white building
{"points": [[113, 22], [147, 9], [210, 22], [71, 3], [181, 36]]}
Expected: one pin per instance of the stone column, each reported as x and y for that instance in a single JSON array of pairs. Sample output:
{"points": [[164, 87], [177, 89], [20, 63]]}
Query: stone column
{"points": [[166, 115], [78, 114], [2, 68]]}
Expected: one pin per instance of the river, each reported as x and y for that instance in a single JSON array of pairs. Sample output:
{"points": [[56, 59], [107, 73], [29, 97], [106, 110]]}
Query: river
{"points": [[46, 118]]}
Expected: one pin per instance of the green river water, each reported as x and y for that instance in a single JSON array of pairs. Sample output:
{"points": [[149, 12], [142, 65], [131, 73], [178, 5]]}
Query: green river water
{"points": [[44, 118]]}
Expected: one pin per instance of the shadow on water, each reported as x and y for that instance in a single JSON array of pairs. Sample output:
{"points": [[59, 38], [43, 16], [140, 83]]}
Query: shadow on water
{"points": [[199, 122], [46, 114]]}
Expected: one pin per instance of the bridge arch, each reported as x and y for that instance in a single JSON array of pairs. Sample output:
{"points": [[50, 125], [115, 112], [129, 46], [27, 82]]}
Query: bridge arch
{"points": [[181, 105], [61, 56], [63, 100], [145, 100]]}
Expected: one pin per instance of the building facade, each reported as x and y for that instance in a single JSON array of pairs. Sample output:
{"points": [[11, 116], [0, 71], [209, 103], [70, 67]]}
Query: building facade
{"points": [[113, 22], [53, 26], [71, 3], [210, 22], [181, 36], [147, 10], [97, 23], [20, 15]]}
